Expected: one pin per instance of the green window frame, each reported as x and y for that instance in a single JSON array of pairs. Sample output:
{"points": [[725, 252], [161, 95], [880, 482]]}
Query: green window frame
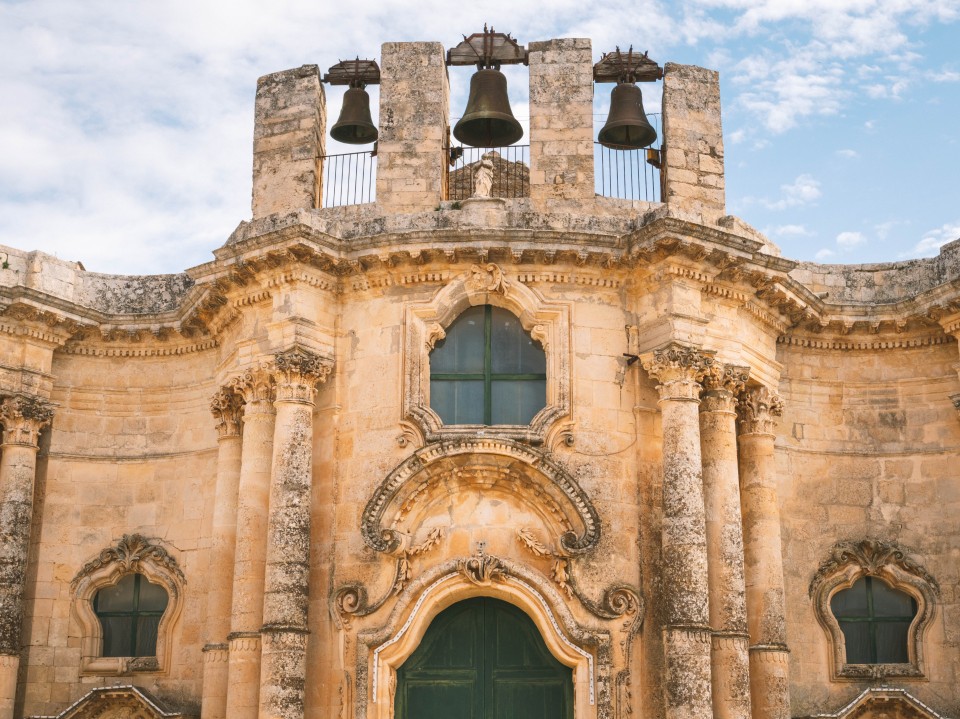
{"points": [[875, 630], [526, 388], [129, 625]]}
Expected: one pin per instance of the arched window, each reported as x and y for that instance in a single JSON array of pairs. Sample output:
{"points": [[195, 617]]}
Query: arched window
{"points": [[487, 370], [129, 614], [874, 619]]}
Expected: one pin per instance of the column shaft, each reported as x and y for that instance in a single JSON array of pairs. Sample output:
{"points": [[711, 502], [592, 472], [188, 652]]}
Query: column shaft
{"points": [[769, 679], [22, 416], [724, 528], [286, 592], [686, 634], [243, 688], [227, 407]]}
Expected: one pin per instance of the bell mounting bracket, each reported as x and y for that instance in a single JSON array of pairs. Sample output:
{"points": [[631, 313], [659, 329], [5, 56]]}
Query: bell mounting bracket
{"points": [[631, 66], [487, 49], [355, 73]]}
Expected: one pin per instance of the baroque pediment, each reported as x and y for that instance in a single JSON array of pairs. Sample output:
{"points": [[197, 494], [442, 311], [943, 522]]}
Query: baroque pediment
{"points": [[118, 702], [882, 703]]}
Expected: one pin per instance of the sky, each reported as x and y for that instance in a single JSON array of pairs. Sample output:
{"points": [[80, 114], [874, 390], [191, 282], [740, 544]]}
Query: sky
{"points": [[126, 128]]}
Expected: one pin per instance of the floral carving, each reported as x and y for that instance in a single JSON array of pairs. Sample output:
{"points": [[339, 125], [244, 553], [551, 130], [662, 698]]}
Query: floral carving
{"points": [[678, 369], [23, 417], [255, 384], [404, 574], [298, 372], [756, 410], [872, 556], [128, 553], [227, 408], [482, 569]]}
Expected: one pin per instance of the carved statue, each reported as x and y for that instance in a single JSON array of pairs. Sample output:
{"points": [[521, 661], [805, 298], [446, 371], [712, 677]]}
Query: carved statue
{"points": [[483, 177]]}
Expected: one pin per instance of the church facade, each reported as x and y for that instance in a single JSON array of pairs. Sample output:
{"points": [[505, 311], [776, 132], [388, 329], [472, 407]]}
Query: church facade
{"points": [[560, 455]]}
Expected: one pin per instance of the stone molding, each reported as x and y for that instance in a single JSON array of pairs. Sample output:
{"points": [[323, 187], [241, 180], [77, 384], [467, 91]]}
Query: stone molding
{"points": [[23, 416], [848, 562], [132, 554], [548, 481], [226, 404], [426, 323], [679, 370], [297, 372], [757, 408]]}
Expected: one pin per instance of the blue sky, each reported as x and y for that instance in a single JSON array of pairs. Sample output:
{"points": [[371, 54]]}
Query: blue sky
{"points": [[125, 131]]}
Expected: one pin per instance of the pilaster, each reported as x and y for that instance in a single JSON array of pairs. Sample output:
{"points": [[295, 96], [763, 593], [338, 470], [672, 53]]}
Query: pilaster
{"points": [[686, 632], [227, 407], [724, 528], [763, 569]]}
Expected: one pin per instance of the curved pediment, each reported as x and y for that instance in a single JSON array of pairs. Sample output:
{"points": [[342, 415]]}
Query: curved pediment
{"points": [[479, 487]]}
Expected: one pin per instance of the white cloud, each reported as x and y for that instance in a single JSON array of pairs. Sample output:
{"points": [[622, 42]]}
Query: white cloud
{"points": [[802, 191], [847, 240], [945, 76], [937, 238], [824, 254], [789, 231], [848, 154]]}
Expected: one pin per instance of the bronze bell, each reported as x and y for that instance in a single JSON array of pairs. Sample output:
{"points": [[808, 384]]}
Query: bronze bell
{"points": [[488, 121], [355, 127], [627, 126]]}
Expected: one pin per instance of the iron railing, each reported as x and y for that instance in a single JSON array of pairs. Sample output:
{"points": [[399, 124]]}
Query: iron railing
{"points": [[349, 179], [626, 173], [511, 171]]}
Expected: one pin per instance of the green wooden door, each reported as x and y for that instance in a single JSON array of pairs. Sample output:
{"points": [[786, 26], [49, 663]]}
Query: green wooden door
{"points": [[483, 659]]}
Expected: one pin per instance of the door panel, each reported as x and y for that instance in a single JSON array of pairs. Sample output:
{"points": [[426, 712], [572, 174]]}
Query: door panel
{"points": [[483, 659]]}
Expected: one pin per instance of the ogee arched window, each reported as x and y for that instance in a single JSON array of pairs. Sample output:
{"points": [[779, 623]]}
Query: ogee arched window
{"points": [[487, 370], [874, 619], [129, 614]]}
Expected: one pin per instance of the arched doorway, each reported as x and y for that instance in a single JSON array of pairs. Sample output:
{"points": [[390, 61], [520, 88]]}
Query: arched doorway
{"points": [[483, 658]]}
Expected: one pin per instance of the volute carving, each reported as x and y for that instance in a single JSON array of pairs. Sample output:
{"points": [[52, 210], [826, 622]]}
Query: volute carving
{"points": [[23, 417], [128, 553]]}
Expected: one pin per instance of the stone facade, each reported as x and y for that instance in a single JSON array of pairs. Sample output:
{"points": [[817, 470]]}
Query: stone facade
{"points": [[728, 438]]}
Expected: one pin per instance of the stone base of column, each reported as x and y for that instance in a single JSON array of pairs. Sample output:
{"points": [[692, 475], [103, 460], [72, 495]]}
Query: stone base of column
{"points": [[243, 675], [687, 686], [731, 675], [770, 681], [9, 666], [215, 675], [283, 673]]}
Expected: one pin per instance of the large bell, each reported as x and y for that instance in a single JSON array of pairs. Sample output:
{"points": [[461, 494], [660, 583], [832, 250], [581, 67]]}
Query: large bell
{"points": [[355, 127], [488, 121], [627, 126]]}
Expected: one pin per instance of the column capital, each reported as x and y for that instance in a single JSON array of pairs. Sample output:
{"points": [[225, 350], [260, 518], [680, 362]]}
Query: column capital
{"points": [[255, 384], [678, 369], [226, 404], [23, 417], [722, 384], [955, 398], [756, 409], [297, 372]]}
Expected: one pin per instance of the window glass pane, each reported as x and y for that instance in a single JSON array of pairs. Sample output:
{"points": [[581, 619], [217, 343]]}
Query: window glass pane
{"points": [[856, 636], [462, 349], [457, 401], [851, 602], [116, 636], [147, 636], [118, 598], [892, 642], [153, 597], [513, 350], [888, 602], [517, 401]]}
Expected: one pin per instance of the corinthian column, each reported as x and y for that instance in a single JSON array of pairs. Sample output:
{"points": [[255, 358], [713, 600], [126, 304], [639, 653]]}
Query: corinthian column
{"points": [[769, 680], [243, 670], [686, 634], [23, 417], [227, 408], [286, 592], [721, 490]]}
